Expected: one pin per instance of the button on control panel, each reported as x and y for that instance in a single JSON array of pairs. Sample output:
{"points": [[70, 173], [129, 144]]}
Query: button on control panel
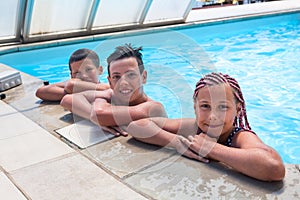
{"points": [[9, 79]]}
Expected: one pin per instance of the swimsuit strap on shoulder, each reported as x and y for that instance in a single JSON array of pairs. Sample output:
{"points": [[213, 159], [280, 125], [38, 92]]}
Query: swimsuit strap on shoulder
{"points": [[232, 134]]}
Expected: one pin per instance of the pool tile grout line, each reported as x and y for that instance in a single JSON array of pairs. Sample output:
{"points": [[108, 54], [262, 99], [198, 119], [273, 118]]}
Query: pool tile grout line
{"points": [[61, 157], [115, 176], [12, 181]]}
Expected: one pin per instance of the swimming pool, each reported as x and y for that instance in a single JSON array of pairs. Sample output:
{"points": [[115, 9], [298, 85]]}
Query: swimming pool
{"points": [[261, 53]]}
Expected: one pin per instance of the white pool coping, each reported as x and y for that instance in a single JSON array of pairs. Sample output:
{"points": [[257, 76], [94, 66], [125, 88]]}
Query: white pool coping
{"points": [[242, 11]]}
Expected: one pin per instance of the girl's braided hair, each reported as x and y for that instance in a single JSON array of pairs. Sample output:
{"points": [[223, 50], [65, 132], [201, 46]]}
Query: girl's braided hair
{"points": [[218, 78]]}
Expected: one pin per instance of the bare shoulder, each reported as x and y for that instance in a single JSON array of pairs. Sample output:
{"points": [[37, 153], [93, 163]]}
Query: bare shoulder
{"points": [[154, 108], [152, 103], [102, 86], [247, 139]]}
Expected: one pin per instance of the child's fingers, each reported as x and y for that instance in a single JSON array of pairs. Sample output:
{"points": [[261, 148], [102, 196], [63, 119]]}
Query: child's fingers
{"points": [[191, 138], [110, 130], [192, 155], [121, 131], [184, 141]]}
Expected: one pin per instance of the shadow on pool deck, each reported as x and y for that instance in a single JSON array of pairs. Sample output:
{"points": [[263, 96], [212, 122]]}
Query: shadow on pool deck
{"points": [[38, 166]]}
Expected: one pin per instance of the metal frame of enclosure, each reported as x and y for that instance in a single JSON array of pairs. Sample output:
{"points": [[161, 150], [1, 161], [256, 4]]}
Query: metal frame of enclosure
{"points": [[24, 21]]}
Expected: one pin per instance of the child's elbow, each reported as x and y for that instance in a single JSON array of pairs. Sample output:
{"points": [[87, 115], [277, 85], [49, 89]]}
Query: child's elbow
{"points": [[103, 117], [69, 86], [39, 93], [66, 102], [131, 128], [276, 171], [135, 128], [274, 167]]}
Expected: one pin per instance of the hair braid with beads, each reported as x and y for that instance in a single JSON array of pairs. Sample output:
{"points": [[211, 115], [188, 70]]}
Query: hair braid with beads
{"points": [[218, 78]]}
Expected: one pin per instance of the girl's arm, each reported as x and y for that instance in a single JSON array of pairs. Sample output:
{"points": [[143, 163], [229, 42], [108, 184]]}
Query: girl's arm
{"points": [[165, 132], [249, 155]]}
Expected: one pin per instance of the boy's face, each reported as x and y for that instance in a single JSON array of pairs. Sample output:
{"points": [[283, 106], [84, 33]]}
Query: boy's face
{"points": [[216, 109], [126, 81], [86, 70]]}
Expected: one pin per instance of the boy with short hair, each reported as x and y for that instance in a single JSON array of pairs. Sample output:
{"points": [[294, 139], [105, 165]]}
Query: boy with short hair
{"points": [[125, 101], [84, 68]]}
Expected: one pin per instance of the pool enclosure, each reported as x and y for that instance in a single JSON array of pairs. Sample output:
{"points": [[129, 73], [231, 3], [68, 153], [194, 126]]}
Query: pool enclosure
{"points": [[24, 21]]}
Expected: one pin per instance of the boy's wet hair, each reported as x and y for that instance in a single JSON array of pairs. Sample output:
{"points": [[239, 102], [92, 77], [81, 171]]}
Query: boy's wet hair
{"points": [[218, 78], [81, 54], [126, 51]]}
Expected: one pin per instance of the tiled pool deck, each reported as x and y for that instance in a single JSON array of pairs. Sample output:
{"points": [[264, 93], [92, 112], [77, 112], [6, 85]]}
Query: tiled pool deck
{"points": [[35, 163]]}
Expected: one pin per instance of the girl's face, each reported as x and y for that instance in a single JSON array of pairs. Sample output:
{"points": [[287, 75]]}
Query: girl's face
{"points": [[85, 70], [216, 109]]}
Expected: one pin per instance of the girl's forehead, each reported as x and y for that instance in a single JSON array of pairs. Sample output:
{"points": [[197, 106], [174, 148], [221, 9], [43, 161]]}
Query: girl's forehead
{"points": [[221, 91]]}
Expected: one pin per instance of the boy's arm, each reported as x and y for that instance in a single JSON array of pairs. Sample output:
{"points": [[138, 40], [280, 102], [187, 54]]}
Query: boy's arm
{"points": [[53, 92], [106, 114], [76, 85], [82, 103]]}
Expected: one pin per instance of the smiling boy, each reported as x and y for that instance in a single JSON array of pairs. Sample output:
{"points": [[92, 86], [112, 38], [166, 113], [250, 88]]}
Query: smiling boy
{"points": [[125, 101]]}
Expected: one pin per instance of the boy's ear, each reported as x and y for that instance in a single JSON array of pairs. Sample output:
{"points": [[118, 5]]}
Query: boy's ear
{"points": [[144, 76], [100, 70]]}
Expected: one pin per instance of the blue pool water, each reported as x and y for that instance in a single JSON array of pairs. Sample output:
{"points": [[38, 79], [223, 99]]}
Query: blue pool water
{"points": [[262, 54]]}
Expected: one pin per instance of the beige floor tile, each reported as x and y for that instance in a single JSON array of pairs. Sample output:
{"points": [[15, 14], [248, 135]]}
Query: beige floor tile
{"points": [[50, 116], [5, 109], [30, 148], [182, 178], [71, 178], [14, 123], [125, 155], [8, 190]]}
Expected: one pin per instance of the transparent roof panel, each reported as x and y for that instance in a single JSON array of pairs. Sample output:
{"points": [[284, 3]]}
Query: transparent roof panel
{"points": [[167, 10], [9, 11], [116, 12], [59, 15], [39, 20]]}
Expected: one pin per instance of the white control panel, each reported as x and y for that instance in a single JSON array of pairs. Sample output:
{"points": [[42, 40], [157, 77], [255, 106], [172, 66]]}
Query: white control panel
{"points": [[9, 79]]}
